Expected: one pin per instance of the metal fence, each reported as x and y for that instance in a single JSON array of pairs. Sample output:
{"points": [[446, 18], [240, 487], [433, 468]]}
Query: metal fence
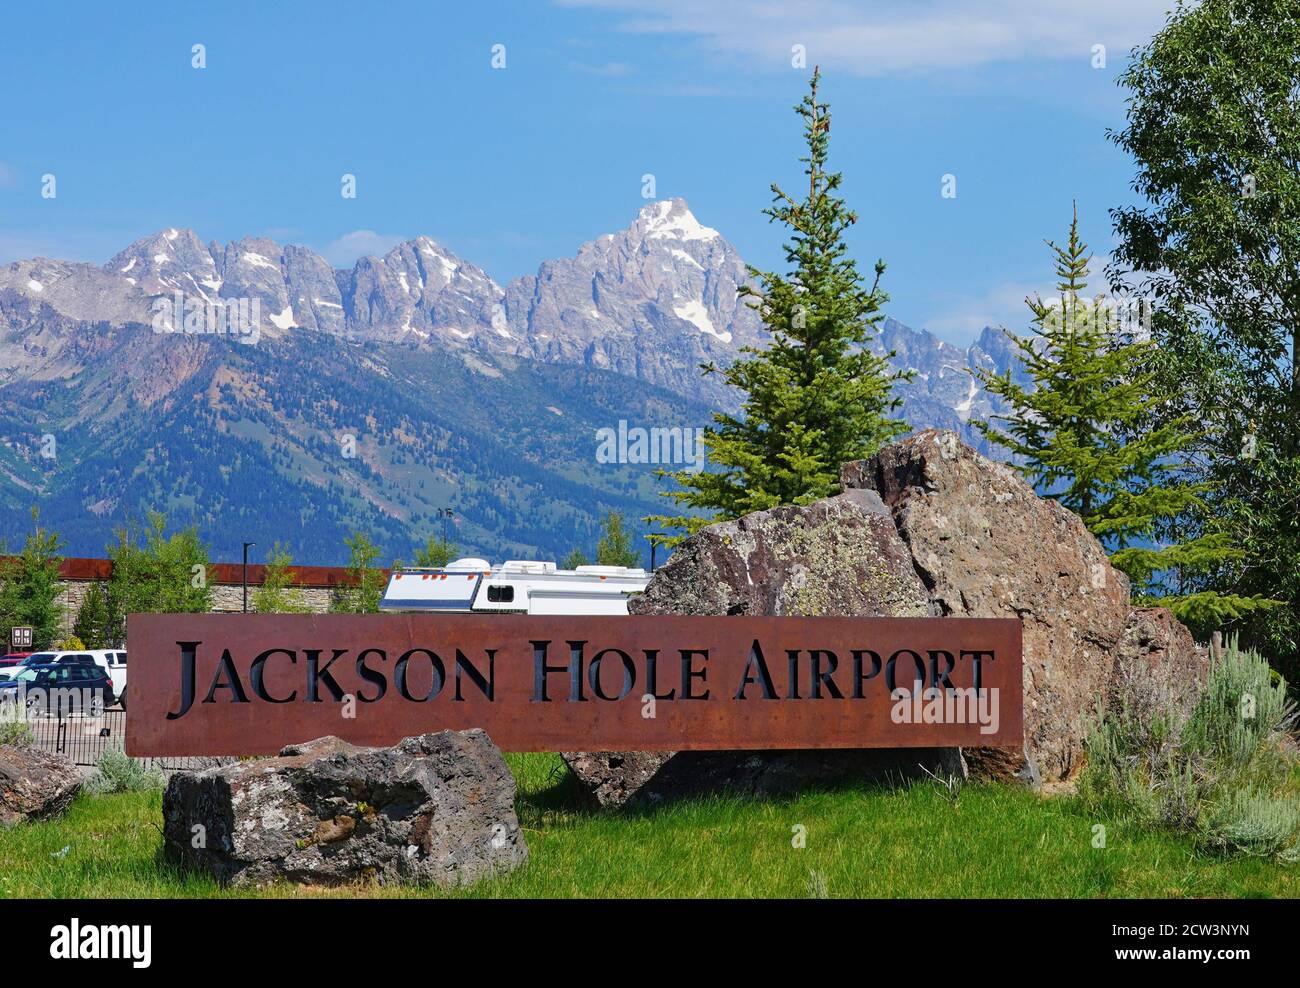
{"points": [[85, 737]]}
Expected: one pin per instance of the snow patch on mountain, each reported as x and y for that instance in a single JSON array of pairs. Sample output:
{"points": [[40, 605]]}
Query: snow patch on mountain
{"points": [[695, 312]]}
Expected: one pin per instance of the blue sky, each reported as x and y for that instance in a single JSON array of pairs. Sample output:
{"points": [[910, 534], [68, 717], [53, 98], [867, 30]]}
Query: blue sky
{"points": [[508, 167]]}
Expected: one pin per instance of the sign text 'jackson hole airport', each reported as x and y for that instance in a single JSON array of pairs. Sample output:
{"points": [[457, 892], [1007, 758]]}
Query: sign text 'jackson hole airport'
{"points": [[234, 684]]}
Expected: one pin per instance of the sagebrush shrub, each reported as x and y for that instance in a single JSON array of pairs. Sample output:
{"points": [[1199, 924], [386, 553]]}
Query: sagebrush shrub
{"points": [[1219, 773], [119, 772], [14, 730]]}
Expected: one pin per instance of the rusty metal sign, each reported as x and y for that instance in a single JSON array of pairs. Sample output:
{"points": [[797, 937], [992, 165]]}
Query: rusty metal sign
{"points": [[244, 684]]}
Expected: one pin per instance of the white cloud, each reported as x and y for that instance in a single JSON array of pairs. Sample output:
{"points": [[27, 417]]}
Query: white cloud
{"points": [[877, 37], [344, 251], [961, 318], [608, 70]]}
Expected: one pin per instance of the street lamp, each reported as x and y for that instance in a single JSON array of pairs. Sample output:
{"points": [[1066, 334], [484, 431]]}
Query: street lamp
{"points": [[653, 538], [247, 546]]}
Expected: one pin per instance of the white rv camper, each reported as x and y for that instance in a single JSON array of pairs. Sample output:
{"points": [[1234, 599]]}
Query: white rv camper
{"points": [[474, 586]]}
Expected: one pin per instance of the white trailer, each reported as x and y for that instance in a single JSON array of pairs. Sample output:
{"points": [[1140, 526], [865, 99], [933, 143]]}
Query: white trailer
{"points": [[517, 586]]}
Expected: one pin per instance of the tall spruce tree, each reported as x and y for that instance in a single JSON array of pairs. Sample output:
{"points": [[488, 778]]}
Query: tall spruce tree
{"points": [[93, 625], [817, 396], [1089, 431]]}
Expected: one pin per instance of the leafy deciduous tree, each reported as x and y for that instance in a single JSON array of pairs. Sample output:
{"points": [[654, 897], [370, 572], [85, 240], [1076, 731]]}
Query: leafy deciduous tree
{"points": [[1214, 128], [29, 586], [276, 595], [364, 585]]}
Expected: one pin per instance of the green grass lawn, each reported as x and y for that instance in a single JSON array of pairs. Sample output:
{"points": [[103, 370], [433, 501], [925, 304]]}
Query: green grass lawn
{"points": [[911, 842]]}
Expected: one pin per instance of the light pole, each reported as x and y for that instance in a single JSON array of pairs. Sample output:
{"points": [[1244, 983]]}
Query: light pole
{"points": [[653, 538], [247, 546]]}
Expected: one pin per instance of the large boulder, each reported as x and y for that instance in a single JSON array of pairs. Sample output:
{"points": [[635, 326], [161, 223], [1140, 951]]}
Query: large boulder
{"points": [[432, 809], [1158, 666], [928, 526], [987, 546], [838, 556], [35, 784]]}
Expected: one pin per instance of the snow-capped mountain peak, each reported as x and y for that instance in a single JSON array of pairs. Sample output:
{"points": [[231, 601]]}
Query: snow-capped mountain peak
{"points": [[672, 219]]}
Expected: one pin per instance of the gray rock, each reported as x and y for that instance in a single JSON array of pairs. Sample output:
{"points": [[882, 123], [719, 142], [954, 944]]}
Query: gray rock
{"points": [[35, 784], [652, 301], [838, 556], [987, 546], [433, 809], [1158, 665], [422, 293], [928, 526]]}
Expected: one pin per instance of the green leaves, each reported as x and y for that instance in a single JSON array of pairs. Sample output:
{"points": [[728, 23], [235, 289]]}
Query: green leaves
{"points": [[1214, 129], [93, 625], [615, 545], [29, 586], [363, 587], [817, 396], [436, 552], [1102, 432], [276, 594], [154, 572], [614, 548]]}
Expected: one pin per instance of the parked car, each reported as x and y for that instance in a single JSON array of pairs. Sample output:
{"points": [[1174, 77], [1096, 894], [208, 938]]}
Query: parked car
{"points": [[112, 661], [69, 686], [12, 659], [8, 672]]}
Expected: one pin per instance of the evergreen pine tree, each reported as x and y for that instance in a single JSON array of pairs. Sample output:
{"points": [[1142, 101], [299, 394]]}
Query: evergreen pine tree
{"points": [[1088, 433], [817, 396]]}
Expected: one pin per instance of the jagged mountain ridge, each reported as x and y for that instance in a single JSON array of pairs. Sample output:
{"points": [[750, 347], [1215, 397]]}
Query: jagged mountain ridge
{"points": [[631, 315], [652, 301]]}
